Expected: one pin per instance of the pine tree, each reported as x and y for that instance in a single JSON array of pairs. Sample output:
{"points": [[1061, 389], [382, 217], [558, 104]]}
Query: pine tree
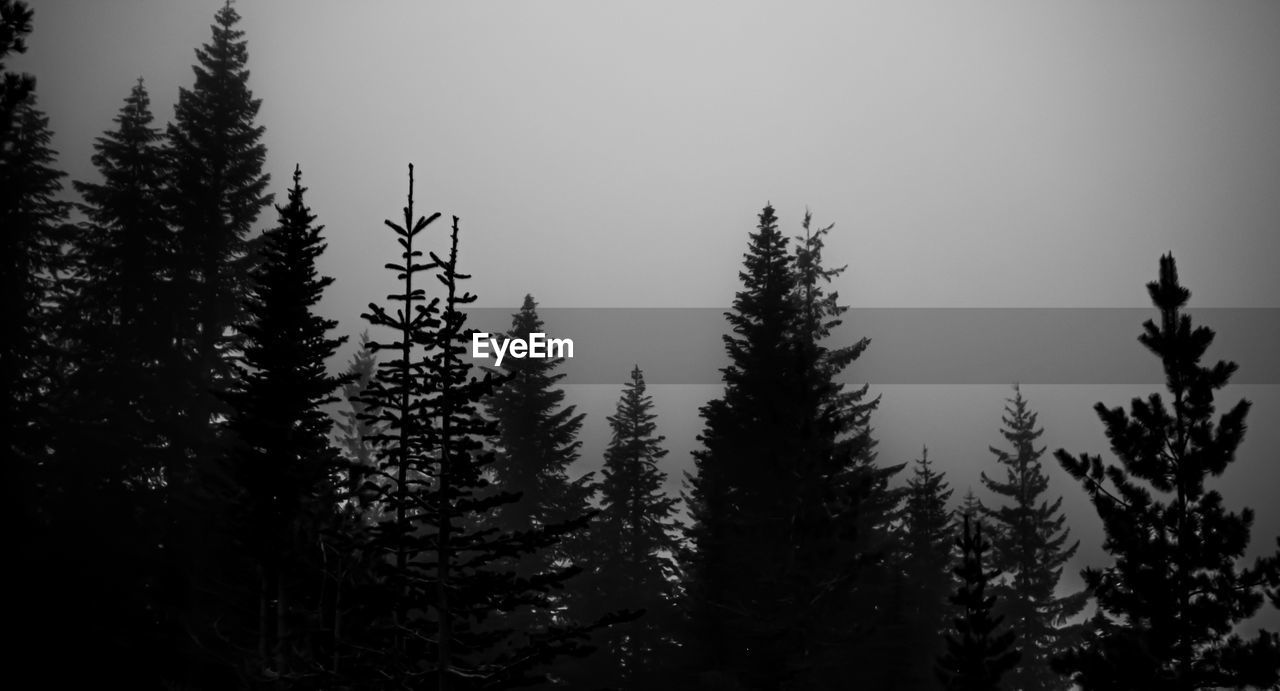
{"points": [[1029, 550], [355, 432], [1169, 603], [537, 444], [15, 24], [113, 405], [32, 219], [121, 311], [629, 555], [538, 436], [977, 657], [216, 192], [971, 507], [445, 576], [782, 497], [927, 562], [282, 462]]}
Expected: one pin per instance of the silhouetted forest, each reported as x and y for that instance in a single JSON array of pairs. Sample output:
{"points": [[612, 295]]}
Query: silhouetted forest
{"points": [[204, 504]]}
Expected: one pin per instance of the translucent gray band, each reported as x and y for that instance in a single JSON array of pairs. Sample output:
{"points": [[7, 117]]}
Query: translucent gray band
{"points": [[910, 345]]}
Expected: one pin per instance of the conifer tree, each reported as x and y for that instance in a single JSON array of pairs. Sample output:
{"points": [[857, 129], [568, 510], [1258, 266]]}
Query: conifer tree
{"points": [[121, 311], [1169, 603], [784, 483], [631, 543], [216, 192], [32, 219], [113, 404], [352, 424], [1029, 550], [282, 462], [537, 436], [536, 446], [977, 655], [927, 562], [15, 24], [445, 576], [971, 506]]}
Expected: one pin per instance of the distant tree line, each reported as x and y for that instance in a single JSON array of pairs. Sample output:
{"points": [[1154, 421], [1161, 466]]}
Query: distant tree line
{"points": [[203, 504]]}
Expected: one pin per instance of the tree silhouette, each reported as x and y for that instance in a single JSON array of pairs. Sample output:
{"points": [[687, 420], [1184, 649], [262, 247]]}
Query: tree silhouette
{"points": [[977, 657], [1030, 549], [215, 193], [445, 576], [281, 464], [1168, 604], [15, 24], [113, 406], [32, 219], [537, 443], [927, 562], [782, 497], [629, 553]]}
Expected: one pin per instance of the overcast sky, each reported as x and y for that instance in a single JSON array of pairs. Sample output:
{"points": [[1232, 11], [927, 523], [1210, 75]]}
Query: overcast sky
{"points": [[605, 154]]}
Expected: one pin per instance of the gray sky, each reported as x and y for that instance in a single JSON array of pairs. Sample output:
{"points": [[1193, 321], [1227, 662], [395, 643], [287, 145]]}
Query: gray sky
{"points": [[971, 154]]}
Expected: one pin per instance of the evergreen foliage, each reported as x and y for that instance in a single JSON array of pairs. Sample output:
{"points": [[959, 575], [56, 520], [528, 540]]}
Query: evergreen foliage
{"points": [[977, 654], [631, 543], [216, 191], [929, 540], [782, 495], [1169, 603], [214, 194], [281, 464], [445, 574], [113, 405], [537, 440], [1029, 550]]}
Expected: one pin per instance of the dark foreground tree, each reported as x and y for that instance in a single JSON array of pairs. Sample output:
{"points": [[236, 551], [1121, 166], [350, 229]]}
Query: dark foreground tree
{"points": [[216, 190], [1169, 603], [31, 222], [1030, 547], [113, 405], [978, 654], [782, 495], [15, 24], [443, 577], [281, 464]]}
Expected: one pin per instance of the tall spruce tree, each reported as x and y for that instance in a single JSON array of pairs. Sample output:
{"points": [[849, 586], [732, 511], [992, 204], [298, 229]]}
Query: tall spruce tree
{"points": [[927, 563], [1029, 550], [537, 435], [631, 543], [536, 446], [121, 310], [113, 405], [445, 576], [282, 462], [216, 191], [31, 223], [977, 655], [1169, 603], [783, 483]]}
